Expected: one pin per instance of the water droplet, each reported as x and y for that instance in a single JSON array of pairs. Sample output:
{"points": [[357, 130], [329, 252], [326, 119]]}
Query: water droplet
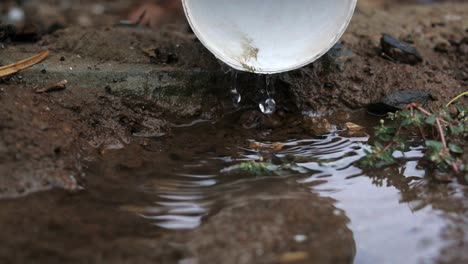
{"points": [[268, 107], [270, 83], [236, 97]]}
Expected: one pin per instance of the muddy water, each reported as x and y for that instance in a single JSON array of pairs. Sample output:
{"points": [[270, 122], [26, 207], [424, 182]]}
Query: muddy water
{"points": [[183, 199]]}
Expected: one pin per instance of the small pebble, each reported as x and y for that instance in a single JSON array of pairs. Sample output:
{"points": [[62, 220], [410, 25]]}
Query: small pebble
{"points": [[317, 125], [300, 238]]}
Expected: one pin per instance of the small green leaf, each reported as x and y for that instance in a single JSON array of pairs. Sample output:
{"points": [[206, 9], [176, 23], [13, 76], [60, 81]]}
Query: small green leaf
{"points": [[457, 130], [431, 120], [460, 109], [435, 146], [455, 148]]}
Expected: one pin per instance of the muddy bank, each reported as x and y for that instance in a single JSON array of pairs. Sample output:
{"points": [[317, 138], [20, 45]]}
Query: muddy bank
{"points": [[251, 231], [46, 137]]}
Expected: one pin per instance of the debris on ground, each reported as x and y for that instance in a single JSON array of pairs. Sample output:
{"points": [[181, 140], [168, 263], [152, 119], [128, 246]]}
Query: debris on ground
{"points": [[317, 125], [21, 65], [354, 127], [61, 85]]}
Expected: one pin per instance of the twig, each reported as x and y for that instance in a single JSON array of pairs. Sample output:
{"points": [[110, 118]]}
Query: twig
{"points": [[456, 98], [441, 133], [61, 85], [424, 111], [16, 67]]}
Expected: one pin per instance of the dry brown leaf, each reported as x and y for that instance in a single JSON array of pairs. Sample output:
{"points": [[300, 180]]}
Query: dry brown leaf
{"points": [[353, 127], [298, 256], [268, 147], [21, 65]]}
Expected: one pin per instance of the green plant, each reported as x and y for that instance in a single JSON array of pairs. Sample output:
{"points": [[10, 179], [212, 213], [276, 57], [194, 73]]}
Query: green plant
{"points": [[441, 132]]}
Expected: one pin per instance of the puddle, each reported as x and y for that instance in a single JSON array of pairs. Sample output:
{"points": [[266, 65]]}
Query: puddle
{"points": [[184, 196]]}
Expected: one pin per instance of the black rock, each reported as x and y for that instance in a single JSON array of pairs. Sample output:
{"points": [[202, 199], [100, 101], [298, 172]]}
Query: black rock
{"points": [[397, 101], [399, 51], [337, 57]]}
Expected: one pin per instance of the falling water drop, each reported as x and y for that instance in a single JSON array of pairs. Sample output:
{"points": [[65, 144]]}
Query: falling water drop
{"points": [[268, 107], [235, 95], [268, 83]]}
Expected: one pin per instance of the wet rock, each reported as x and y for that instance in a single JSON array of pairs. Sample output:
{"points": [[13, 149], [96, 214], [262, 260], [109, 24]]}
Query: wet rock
{"points": [[317, 125], [336, 57], [399, 51], [397, 101], [251, 119], [256, 119]]}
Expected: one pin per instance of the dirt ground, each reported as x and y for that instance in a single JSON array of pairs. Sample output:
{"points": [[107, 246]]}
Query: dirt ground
{"points": [[47, 138]]}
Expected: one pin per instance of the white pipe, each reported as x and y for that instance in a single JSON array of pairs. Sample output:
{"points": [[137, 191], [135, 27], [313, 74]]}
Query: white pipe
{"points": [[268, 36]]}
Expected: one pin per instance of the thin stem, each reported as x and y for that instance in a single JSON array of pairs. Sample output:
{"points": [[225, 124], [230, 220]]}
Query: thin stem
{"points": [[422, 133], [444, 142], [455, 167], [456, 98], [424, 111], [441, 133], [391, 143]]}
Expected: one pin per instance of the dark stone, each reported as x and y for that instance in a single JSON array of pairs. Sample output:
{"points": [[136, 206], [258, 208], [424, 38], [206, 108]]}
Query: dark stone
{"points": [[399, 51], [54, 27], [108, 89], [397, 101], [337, 57]]}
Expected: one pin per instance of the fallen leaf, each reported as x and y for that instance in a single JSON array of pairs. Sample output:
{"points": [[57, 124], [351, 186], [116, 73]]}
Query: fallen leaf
{"points": [[294, 257], [21, 65], [268, 147], [354, 127]]}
